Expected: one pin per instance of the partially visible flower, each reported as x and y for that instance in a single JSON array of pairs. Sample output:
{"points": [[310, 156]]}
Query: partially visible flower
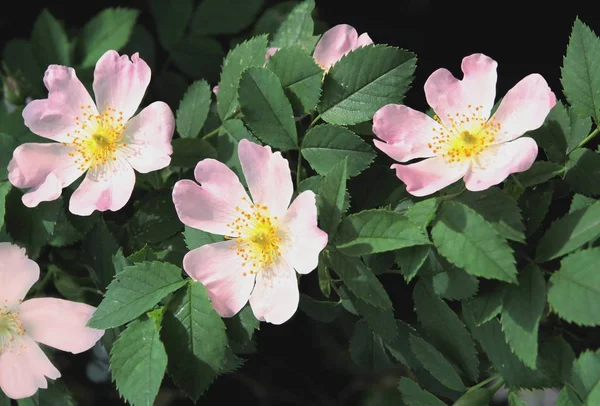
{"points": [[99, 138], [270, 52], [266, 237], [337, 42], [57, 323], [462, 140]]}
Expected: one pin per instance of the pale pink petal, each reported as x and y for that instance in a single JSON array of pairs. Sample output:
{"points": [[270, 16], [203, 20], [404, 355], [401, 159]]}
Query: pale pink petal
{"points": [[17, 275], [106, 187], [303, 240], [59, 323], [215, 90], [275, 297], [120, 83], [494, 164], [220, 270], [211, 206], [45, 168], [24, 368], [335, 43], [268, 176], [474, 95], [55, 116], [429, 175], [363, 40], [270, 52], [524, 108], [148, 137], [407, 133]]}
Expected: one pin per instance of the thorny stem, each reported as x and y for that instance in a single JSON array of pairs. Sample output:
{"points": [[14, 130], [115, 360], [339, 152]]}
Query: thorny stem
{"points": [[589, 137], [483, 383]]}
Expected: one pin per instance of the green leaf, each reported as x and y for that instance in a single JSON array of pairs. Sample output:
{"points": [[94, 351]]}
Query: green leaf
{"points": [[232, 132], [300, 76], [195, 238], [447, 332], [540, 172], [187, 152], [498, 208], [154, 221], [49, 41], [580, 74], [522, 309], [199, 57], [434, 362], [145, 254], [224, 16], [422, 213], [367, 350], [575, 288], [240, 329], [193, 109], [483, 307], [411, 259], [359, 280], [514, 400], [195, 338], [364, 81], [331, 198], [7, 146], [100, 247], [586, 374], [372, 231], [399, 348], [569, 233], [583, 171], [297, 27], [469, 242], [171, 20], [323, 311], [324, 277], [138, 362], [535, 204], [18, 54], [326, 145], [454, 284], [266, 110], [134, 291], [31, 228], [272, 17], [552, 135], [580, 202], [108, 30], [380, 320], [580, 128], [415, 396], [248, 53], [477, 397], [4, 189]]}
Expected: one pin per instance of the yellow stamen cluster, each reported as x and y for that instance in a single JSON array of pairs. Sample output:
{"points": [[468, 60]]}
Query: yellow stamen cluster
{"points": [[257, 238], [97, 137], [11, 328], [465, 137]]}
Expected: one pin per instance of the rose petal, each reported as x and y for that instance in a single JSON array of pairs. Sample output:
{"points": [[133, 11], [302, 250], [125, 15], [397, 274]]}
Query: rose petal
{"points": [[429, 175], [148, 137], [407, 133], [120, 83], [524, 108], [363, 40], [46, 168], [17, 275], [59, 323], [473, 95], [303, 239], [494, 164], [275, 297], [335, 43], [268, 176], [23, 370], [106, 187], [212, 206], [220, 270], [55, 116]]}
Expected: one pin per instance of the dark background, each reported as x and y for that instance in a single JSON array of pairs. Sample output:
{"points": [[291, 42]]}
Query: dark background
{"points": [[294, 365]]}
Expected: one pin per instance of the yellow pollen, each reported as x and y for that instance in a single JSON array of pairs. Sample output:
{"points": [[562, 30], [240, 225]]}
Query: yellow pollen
{"points": [[257, 238], [97, 138], [463, 136], [11, 329]]}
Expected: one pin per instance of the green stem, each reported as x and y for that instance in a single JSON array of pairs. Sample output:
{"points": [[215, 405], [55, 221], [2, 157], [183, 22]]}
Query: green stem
{"points": [[213, 132], [450, 196], [589, 137], [40, 286], [299, 169], [494, 388], [517, 181], [314, 122], [483, 383]]}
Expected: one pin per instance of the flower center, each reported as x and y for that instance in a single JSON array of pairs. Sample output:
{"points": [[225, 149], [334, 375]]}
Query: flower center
{"points": [[97, 138], [257, 238], [466, 137], [11, 329]]}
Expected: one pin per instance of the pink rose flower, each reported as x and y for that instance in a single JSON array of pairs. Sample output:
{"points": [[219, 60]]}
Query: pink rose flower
{"points": [[55, 322], [337, 42], [462, 140], [266, 237], [99, 138]]}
